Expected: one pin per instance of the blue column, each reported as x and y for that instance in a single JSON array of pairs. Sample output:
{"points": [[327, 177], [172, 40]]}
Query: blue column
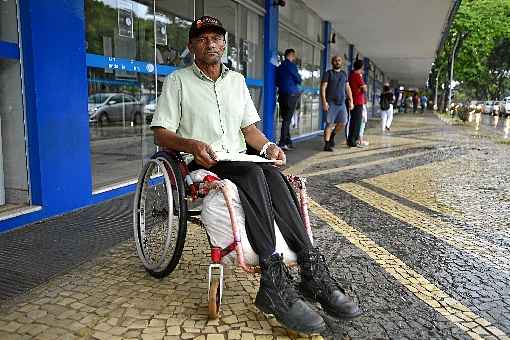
{"points": [[270, 62], [351, 57], [325, 60], [55, 90]]}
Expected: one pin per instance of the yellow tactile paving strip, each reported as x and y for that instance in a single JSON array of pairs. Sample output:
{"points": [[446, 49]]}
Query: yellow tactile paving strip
{"points": [[419, 185], [488, 252], [341, 155], [474, 325], [364, 165]]}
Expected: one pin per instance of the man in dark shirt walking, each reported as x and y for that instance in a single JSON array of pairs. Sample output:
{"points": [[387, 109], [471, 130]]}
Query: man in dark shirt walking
{"points": [[334, 87], [287, 80], [358, 89]]}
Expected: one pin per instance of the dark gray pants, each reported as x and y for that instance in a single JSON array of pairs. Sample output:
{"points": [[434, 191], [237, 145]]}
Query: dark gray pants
{"points": [[288, 104], [355, 125]]}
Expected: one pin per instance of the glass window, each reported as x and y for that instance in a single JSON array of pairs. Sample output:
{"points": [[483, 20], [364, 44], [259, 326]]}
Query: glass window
{"points": [[120, 36], [13, 163], [14, 190], [314, 27], [128, 99], [303, 19], [8, 21], [251, 45], [341, 48], [227, 12], [306, 117], [261, 3]]}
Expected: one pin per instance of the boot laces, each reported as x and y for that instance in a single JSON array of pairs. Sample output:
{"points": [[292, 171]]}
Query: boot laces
{"points": [[322, 276], [283, 282]]}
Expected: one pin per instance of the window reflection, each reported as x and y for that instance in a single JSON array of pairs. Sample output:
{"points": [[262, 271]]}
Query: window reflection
{"points": [[129, 41], [307, 116]]}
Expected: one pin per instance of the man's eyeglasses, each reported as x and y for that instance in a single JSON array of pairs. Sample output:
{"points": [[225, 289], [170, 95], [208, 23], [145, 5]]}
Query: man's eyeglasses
{"points": [[204, 40]]}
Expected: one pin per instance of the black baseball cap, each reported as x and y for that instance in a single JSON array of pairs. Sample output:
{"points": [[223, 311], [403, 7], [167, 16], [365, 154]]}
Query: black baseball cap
{"points": [[205, 23]]}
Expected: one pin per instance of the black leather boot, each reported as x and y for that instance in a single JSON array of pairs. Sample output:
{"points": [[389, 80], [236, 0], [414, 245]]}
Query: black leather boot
{"points": [[317, 284], [278, 296], [327, 146]]}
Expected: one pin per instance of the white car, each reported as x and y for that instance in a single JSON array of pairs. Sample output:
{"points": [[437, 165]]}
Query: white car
{"points": [[497, 108], [149, 110], [488, 106], [506, 106]]}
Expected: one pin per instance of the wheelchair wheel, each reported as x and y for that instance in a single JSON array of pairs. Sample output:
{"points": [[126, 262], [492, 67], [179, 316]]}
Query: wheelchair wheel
{"points": [[160, 215], [214, 300]]}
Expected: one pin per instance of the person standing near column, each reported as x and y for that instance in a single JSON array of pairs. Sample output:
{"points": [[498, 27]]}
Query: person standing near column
{"points": [[287, 81], [386, 104], [334, 87], [358, 89]]}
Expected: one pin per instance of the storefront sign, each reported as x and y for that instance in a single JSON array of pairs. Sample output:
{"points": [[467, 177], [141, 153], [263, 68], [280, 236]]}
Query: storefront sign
{"points": [[125, 16]]}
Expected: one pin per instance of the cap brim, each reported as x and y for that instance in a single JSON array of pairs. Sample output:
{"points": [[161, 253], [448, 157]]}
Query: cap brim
{"points": [[216, 29]]}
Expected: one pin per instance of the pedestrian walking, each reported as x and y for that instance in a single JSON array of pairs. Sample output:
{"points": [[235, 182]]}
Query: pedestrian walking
{"points": [[334, 90], [364, 120], [416, 100], [408, 103], [386, 104], [287, 80], [424, 102], [358, 89]]}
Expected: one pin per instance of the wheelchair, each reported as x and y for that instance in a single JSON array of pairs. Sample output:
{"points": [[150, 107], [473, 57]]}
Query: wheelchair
{"points": [[167, 194]]}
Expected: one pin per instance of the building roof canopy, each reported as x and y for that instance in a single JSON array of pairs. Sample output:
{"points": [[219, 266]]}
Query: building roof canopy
{"points": [[400, 36]]}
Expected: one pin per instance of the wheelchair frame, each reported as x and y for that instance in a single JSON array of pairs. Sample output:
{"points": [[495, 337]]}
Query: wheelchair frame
{"points": [[175, 177]]}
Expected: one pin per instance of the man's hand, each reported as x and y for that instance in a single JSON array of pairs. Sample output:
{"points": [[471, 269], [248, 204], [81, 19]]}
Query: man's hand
{"points": [[351, 105], [204, 154], [325, 106], [274, 152]]}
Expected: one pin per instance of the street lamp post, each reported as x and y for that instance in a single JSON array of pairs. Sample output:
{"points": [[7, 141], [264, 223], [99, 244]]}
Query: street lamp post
{"points": [[456, 46], [435, 92]]}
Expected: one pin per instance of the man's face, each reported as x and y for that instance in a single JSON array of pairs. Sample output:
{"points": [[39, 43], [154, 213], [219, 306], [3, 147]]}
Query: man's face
{"points": [[337, 63], [208, 47], [291, 56]]}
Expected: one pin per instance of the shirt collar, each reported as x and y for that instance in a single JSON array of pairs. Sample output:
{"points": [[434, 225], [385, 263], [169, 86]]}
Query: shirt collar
{"points": [[200, 74]]}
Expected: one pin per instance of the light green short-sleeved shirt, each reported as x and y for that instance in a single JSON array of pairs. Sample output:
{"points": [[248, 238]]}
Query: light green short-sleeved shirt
{"points": [[194, 106]]}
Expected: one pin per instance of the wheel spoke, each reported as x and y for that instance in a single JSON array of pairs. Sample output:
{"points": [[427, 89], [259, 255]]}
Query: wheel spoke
{"points": [[158, 217]]}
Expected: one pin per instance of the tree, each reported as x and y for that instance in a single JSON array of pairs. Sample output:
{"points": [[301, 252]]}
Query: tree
{"points": [[486, 21], [499, 66]]}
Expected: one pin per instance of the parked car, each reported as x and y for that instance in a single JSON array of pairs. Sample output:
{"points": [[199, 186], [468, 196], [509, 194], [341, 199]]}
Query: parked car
{"points": [[149, 111], [107, 108], [506, 107], [497, 108], [475, 104], [488, 106]]}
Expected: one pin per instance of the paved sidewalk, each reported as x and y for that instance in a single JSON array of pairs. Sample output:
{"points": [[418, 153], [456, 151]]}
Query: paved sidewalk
{"points": [[415, 227]]}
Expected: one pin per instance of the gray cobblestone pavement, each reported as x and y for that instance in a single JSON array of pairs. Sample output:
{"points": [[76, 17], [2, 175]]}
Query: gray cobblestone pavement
{"points": [[415, 228]]}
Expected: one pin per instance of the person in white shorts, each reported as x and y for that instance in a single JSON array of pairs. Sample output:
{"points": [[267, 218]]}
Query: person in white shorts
{"points": [[334, 90], [386, 104]]}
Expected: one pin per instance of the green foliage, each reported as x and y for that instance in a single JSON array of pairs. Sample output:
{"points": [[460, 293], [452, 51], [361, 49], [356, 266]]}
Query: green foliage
{"points": [[487, 23]]}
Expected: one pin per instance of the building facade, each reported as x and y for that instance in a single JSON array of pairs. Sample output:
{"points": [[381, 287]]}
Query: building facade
{"points": [[79, 81]]}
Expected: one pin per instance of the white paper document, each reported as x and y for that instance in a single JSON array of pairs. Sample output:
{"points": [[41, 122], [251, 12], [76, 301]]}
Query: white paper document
{"points": [[240, 157]]}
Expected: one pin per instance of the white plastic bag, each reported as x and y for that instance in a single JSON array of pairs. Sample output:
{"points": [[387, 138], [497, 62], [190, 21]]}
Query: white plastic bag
{"points": [[216, 219]]}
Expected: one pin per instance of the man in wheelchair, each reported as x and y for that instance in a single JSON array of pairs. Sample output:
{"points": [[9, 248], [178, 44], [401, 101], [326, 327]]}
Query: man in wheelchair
{"points": [[205, 109]]}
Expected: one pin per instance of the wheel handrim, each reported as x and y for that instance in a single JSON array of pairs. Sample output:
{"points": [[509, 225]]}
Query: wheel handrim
{"points": [[157, 215]]}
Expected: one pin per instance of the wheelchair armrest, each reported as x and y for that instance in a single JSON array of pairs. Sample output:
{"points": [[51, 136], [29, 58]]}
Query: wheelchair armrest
{"points": [[175, 157], [174, 154]]}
